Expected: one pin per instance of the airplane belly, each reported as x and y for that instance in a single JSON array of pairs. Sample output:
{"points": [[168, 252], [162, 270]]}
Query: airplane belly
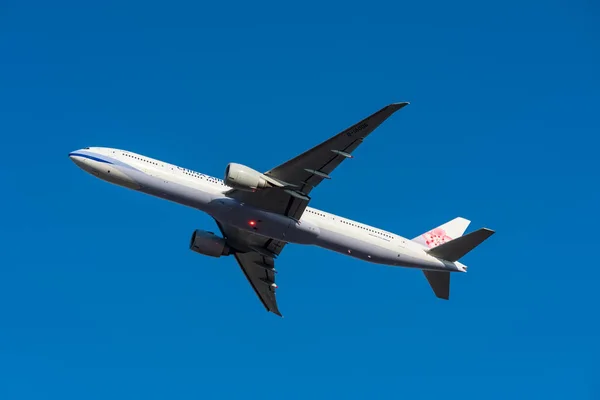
{"points": [[253, 220], [357, 248], [303, 232]]}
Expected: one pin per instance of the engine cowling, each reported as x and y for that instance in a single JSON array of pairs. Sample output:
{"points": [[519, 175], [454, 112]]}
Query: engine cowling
{"points": [[209, 244], [240, 177]]}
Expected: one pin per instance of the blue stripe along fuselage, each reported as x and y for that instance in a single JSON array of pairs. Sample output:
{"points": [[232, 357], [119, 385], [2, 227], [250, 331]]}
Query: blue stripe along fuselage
{"points": [[89, 157], [100, 158]]}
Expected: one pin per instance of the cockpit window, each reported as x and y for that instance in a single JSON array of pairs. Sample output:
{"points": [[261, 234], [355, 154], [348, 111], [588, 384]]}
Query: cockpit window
{"points": [[87, 148]]}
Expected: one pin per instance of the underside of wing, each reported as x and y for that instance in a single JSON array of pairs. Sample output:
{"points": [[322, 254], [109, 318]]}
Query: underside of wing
{"points": [[310, 168], [301, 174], [256, 257], [260, 272]]}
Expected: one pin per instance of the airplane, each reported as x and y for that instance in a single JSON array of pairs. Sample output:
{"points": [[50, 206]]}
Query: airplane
{"points": [[258, 214]]}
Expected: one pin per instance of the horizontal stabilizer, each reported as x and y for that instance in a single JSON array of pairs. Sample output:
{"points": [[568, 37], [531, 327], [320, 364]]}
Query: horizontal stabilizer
{"points": [[455, 249], [439, 282]]}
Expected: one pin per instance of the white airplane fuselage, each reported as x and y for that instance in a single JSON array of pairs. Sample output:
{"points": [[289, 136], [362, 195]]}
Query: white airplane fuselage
{"points": [[208, 194]]}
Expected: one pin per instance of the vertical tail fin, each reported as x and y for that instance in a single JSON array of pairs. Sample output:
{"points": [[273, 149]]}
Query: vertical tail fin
{"points": [[443, 233]]}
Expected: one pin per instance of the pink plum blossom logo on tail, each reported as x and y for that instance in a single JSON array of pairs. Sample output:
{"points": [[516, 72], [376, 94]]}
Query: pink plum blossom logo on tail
{"points": [[436, 237]]}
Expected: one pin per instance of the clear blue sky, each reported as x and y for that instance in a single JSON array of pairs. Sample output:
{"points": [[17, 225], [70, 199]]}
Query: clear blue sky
{"points": [[101, 297]]}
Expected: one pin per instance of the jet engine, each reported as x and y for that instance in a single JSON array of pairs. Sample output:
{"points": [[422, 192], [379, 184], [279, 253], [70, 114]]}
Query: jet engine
{"points": [[209, 244], [244, 178]]}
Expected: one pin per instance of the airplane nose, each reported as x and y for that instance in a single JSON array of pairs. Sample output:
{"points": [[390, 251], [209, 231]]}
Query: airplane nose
{"points": [[82, 162], [77, 159]]}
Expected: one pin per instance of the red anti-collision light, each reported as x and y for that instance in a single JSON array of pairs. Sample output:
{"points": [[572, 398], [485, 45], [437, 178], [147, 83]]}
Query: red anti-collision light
{"points": [[252, 222]]}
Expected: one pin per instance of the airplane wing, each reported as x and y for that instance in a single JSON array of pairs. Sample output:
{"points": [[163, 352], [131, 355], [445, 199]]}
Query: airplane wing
{"points": [[256, 257], [304, 172]]}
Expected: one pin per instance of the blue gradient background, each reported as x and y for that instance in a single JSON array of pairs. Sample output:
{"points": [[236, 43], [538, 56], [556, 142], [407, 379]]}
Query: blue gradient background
{"points": [[101, 297]]}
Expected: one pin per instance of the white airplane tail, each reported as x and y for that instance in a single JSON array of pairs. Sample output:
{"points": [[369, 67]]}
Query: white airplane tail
{"points": [[448, 243], [443, 233]]}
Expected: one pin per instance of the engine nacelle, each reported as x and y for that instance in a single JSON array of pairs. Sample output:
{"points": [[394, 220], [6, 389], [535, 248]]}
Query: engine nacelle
{"points": [[240, 177], [209, 244]]}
